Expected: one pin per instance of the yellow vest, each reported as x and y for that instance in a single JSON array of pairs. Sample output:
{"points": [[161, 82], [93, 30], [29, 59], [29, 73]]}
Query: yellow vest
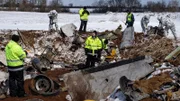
{"points": [[14, 54], [93, 44], [129, 17], [83, 16]]}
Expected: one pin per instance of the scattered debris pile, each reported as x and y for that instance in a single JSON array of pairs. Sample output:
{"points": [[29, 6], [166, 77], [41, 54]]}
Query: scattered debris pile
{"points": [[149, 85], [67, 52], [155, 46]]}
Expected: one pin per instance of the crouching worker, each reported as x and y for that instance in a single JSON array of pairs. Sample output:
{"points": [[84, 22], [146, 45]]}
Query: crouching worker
{"points": [[167, 25], [15, 56], [92, 47]]}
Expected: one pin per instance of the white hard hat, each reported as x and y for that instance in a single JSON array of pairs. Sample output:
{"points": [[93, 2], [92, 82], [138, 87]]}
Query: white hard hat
{"points": [[15, 33]]}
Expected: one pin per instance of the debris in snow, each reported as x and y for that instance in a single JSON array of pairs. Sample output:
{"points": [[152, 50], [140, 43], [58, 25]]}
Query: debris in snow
{"points": [[68, 30]]}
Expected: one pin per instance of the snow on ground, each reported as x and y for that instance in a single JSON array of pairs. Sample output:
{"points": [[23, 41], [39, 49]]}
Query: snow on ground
{"points": [[100, 22]]}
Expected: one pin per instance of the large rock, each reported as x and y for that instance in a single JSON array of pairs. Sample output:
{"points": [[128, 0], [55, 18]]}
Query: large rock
{"points": [[98, 82]]}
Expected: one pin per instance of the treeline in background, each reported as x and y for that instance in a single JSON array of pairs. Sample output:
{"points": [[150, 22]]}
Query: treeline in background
{"points": [[100, 6]]}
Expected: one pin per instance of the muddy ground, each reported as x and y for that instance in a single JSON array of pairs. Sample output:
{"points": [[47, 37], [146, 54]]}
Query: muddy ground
{"points": [[51, 74]]}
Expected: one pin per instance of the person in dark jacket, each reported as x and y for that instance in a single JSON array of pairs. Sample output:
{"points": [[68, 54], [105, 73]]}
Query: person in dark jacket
{"points": [[15, 56]]}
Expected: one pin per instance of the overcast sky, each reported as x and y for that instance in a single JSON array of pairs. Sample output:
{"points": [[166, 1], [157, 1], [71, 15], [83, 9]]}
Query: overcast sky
{"points": [[89, 2]]}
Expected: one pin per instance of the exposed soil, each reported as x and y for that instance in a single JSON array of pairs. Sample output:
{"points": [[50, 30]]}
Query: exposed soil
{"points": [[155, 46], [148, 86], [150, 99], [51, 74]]}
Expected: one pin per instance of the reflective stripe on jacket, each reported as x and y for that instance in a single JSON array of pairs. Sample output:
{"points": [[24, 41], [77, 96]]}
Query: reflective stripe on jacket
{"points": [[93, 44], [14, 54], [83, 16]]}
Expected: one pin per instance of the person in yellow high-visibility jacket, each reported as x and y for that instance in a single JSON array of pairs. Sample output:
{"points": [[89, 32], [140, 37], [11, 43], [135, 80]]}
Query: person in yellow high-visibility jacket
{"points": [[104, 43], [129, 19], [92, 47], [84, 13], [15, 56]]}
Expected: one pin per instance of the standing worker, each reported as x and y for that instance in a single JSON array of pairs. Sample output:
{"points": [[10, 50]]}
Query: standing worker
{"points": [[53, 19], [92, 47], [128, 33], [144, 23], [84, 13], [15, 56], [129, 19], [166, 24]]}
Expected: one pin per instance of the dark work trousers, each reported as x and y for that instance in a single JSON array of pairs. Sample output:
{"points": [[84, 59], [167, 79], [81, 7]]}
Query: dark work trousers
{"points": [[83, 26], [130, 24], [99, 55], [90, 61], [16, 83]]}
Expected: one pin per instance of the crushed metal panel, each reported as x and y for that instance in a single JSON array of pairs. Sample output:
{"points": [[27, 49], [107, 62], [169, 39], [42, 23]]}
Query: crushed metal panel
{"points": [[97, 83]]}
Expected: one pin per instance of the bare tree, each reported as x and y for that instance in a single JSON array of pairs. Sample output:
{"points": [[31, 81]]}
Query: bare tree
{"points": [[156, 6], [117, 5], [132, 3], [43, 5], [100, 3], [173, 5], [11, 4], [56, 3]]}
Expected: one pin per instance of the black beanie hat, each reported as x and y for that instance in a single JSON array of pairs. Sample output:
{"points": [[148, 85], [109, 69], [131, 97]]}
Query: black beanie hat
{"points": [[15, 38]]}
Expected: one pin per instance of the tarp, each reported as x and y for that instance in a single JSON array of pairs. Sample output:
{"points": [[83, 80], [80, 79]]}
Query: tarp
{"points": [[128, 38]]}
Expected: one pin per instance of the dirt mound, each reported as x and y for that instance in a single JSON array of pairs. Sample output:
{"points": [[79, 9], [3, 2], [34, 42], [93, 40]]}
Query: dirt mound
{"points": [[155, 46], [148, 86]]}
